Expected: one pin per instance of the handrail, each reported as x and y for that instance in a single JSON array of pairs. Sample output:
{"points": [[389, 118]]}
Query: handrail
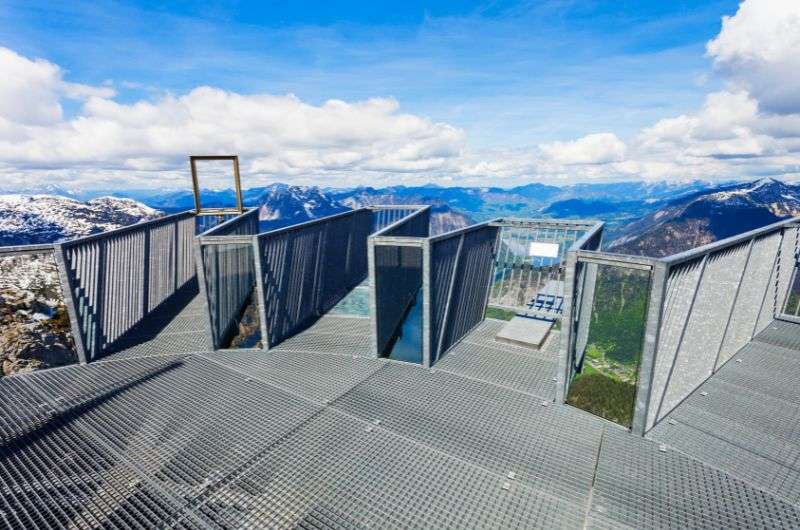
{"points": [[306, 224], [129, 228], [544, 221], [19, 250], [223, 227], [688, 255], [420, 210]]}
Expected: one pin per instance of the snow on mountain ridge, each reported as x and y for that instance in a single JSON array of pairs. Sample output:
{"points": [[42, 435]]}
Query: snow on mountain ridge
{"points": [[27, 219]]}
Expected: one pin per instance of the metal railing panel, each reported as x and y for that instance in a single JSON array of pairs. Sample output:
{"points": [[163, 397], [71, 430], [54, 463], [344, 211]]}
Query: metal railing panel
{"points": [[786, 271], [747, 307], [228, 278], [533, 284], [703, 330], [413, 223], [244, 224], [386, 216], [682, 282], [114, 279], [443, 257], [306, 269], [460, 279]]}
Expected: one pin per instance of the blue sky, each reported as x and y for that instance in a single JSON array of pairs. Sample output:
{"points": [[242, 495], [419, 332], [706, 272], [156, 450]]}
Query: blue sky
{"points": [[485, 81], [510, 73]]}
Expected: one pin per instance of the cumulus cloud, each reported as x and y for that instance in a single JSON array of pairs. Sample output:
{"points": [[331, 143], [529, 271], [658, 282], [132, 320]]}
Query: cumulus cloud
{"points": [[600, 148], [751, 127], [278, 136], [758, 49]]}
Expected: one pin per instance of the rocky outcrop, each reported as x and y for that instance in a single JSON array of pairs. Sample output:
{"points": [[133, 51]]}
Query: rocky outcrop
{"points": [[34, 327]]}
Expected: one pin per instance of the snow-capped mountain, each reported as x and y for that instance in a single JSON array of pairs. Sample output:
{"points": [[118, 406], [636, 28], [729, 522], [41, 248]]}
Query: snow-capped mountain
{"points": [[282, 205], [443, 217], [28, 219], [708, 216]]}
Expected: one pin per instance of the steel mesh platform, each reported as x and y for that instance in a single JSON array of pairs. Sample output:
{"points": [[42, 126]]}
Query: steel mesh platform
{"points": [[315, 435], [745, 420]]}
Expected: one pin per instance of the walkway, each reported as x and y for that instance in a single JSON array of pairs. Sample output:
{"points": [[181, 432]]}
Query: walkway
{"points": [[314, 434]]}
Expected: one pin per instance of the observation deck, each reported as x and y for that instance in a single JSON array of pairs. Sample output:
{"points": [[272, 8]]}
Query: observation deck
{"points": [[318, 425]]}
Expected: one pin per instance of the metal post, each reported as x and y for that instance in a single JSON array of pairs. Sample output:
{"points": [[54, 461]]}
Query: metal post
{"points": [[262, 306], [426, 303], [373, 298], [443, 330], [68, 291], [565, 356], [647, 363]]}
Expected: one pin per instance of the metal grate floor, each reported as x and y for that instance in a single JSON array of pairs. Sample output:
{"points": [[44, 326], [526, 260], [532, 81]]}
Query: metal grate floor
{"points": [[315, 435], [745, 420], [481, 357]]}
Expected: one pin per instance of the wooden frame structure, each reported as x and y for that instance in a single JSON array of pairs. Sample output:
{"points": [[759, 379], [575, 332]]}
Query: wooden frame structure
{"points": [[199, 210]]}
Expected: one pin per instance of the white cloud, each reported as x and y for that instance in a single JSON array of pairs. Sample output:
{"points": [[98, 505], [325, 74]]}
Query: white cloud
{"points": [[600, 148], [758, 49], [277, 136], [752, 127]]}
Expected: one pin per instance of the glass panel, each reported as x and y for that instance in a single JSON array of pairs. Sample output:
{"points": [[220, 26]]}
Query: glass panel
{"points": [[398, 278], [356, 303], [792, 305], [529, 273], [230, 290], [608, 367], [34, 324]]}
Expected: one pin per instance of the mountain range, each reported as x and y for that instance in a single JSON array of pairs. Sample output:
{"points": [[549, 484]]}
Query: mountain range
{"points": [[29, 219], [647, 218], [707, 216]]}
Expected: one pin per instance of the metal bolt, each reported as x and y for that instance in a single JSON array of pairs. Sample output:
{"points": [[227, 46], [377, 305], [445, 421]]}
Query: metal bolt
{"points": [[738, 360], [506, 486], [703, 393], [662, 448]]}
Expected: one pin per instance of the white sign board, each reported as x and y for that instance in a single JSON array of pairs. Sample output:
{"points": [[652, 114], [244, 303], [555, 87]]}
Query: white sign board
{"points": [[543, 250]]}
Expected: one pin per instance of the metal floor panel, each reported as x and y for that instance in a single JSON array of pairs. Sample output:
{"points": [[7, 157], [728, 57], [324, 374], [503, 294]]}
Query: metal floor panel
{"points": [[341, 344], [188, 423], [529, 372], [640, 486], [317, 376], [175, 328], [315, 434], [343, 325], [54, 475], [339, 472], [170, 344], [745, 420], [500, 430], [781, 333]]}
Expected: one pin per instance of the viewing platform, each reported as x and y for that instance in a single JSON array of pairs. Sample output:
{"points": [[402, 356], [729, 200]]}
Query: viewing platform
{"points": [[317, 424]]}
